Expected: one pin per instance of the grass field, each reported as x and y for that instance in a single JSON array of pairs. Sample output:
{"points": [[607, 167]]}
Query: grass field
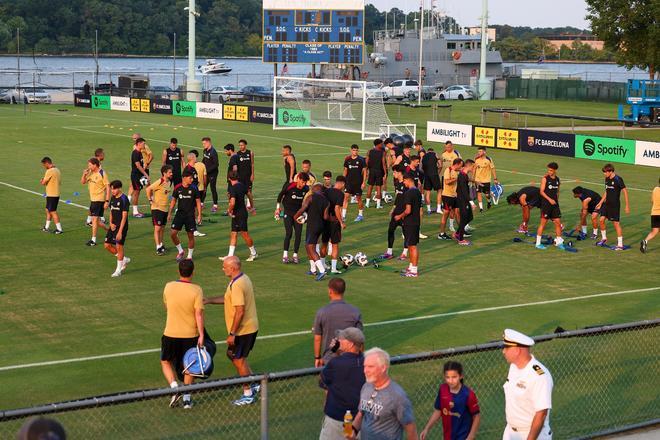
{"points": [[58, 301]]}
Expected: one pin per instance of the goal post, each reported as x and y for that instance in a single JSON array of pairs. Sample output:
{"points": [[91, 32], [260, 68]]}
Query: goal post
{"points": [[329, 104]]}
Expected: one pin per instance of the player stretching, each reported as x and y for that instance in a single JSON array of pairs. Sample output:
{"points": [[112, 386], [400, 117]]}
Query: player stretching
{"points": [[290, 200], [315, 207], [431, 180], [239, 217], [449, 205], [334, 223], [528, 197], [157, 193], [589, 200], [188, 197], [99, 193], [139, 175], [289, 163], [51, 181], [398, 208], [118, 229], [463, 200], [377, 166], [245, 170], [610, 206], [355, 172], [550, 206], [483, 173], [410, 218], [655, 219], [173, 156]]}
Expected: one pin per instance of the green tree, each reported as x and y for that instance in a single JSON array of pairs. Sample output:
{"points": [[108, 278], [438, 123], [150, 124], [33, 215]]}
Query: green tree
{"points": [[630, 29]]}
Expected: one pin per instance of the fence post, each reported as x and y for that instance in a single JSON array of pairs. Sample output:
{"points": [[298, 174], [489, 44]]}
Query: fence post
{"points": [[264, 407]]}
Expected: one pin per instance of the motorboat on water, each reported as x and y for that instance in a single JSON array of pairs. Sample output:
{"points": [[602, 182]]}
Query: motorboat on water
{"points": [[212, 67]]}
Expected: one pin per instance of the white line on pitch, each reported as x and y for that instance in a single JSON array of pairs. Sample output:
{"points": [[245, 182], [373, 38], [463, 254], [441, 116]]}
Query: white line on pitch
{"points": [[40, 194], [372, 324]]}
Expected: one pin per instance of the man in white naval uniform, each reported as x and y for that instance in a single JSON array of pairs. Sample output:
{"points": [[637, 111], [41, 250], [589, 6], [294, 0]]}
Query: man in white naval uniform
{"points": [[528, 391]]}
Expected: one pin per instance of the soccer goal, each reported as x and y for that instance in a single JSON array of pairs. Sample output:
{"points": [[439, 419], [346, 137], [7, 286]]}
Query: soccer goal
{"points": [[341, 105], [391, 130]]}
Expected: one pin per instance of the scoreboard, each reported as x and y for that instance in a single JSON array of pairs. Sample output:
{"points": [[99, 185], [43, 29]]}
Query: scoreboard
{"points": [[313, 31]]}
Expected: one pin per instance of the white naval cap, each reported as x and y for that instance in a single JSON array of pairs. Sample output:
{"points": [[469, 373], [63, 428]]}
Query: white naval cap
{"points": [[513, 338]]}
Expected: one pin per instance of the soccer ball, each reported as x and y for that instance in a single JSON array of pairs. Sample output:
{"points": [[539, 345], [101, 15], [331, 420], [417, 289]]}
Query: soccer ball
{"points": [[408, 138], [348, 259], [144, 180], [302, 219], [398, 141], [387, 198], [361, 259]]}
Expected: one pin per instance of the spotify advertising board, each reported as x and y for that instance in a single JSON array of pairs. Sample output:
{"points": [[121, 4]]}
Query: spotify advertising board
{"points": [[605, 149]]}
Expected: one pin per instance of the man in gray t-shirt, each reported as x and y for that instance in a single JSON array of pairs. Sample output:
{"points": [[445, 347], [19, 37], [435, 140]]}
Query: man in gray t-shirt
{"points": [[384, 411], [335, 316]]}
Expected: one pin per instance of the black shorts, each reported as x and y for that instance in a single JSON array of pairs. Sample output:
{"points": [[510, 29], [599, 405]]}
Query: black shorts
{"points": [[333, 232], [246, 182], [591, 208], [239, 223], [432, 183], [158, 218], [174, 349], [655, 221], [395, 223], [111, 236], [96, 209], [176, 179], [181, 220], [549, 211], [51, 203], [483, 188], [375, 178], [243, 344], [442, 182], [611, 212], [449, 203], [313, 233], [135, 182], [354, 188], [410, 235]]}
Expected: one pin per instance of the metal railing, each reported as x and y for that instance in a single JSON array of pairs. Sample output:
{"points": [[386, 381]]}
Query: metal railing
{"points": [[606, 380]]}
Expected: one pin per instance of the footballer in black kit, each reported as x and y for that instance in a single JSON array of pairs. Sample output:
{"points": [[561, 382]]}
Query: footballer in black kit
{"points": [[212, 165], [174, 157], [245, 169], [334, 223], [315, 205], [377, 167], [431, 179], [355, 172], [411, 221], [398, 208], [463, 200], [289, 201], [589, 201], [610, 205], [117, 230], [550, 205], [527, 197], [188, 199], [238, 212]]}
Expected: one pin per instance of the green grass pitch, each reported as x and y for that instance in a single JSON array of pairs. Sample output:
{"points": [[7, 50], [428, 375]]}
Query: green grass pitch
{"points": [[58, 301]]}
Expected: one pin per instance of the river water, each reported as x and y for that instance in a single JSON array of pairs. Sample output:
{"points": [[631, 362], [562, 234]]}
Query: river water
{"points": [[55, 71]]}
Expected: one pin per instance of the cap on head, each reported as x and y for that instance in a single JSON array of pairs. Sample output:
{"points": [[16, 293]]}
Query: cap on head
{"points": [[513, 338], [352, 334]]}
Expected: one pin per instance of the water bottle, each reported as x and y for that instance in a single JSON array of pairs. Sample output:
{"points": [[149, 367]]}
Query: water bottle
{"points": [[348, 423]]}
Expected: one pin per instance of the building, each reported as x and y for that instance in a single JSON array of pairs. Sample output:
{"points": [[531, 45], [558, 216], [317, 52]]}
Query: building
{"points": [[567, 40], [476, 30]]}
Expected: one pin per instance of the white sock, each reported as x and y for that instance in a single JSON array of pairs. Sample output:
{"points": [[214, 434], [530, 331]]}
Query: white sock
{"points": [[428, 207], [94, 239], [179, 248], [89, 219], [559, 241], [157, 246], [333, 263], [322, 260], [377, 203], [47, 224], [439, 208], [120, 263], [125, 259], [472, 204], [538, 240], [285, 254], [160, 245], [253, 250], [58, 226], [595, 232], [584, 229], [410, 265], [405, 252], [603, 233], [231, 251], [481, 205], [329, 248], [343, 213], [320, 266], [389, 251], [368, 202], [174, 384], [190, 253], [413, 269], [451, 223], [295, 255], [135, 209], [312, 266], [186, 397], [318, 248], [360, 211], [619, 241]]}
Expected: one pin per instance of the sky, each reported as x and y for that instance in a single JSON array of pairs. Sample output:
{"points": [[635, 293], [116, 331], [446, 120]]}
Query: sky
{"points": [[532, 13]]}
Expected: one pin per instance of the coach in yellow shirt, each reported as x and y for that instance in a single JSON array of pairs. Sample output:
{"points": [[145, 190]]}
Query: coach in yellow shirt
{"points": [[241, 320], [99, 193], [184, 328], [655, 218], [484, 171], [158, 193], [52, 181]]}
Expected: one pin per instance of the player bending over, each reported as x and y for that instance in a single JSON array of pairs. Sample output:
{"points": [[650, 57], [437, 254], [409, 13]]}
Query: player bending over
{"points": [[528, 197], [589, 200]]}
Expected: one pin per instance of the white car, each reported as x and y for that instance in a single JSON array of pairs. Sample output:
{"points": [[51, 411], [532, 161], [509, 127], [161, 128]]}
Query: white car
{"points": [[457, 92], [225, 93], [374, 90], [37, 96], [289, 92], [405, 89]]}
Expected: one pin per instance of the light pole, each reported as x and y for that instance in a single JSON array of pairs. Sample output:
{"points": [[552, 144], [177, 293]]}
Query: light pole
{"points": [[421, 51], [485, 87], [193, 86]]}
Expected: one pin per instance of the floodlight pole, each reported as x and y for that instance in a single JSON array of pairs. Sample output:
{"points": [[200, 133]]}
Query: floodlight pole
{"points": [[421, 49], [484, 84], [174, 63]]}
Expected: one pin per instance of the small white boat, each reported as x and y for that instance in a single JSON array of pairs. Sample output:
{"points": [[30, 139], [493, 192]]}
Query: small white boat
{"points": [[213, 67]]}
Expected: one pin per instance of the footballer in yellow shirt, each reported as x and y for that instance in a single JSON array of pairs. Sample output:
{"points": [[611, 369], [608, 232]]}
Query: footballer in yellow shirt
{"points": [[99, 193], [655, 218], [52, 181], [158, 194], [484, 171]]}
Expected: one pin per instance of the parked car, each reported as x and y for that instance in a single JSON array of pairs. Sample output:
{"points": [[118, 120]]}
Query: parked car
{"points": [[5, 96], [33, 96], [257, 93], [406, 88], [457, 92], [354, 91], [289, 92], [160, 92], [225, 93]]}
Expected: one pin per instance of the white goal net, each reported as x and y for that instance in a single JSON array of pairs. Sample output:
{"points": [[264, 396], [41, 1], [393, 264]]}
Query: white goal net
{"points": [[351, 106]]}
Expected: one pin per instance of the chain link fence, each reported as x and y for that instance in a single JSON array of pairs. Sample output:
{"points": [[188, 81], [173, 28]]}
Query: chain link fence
{"points": [[571, 89], [606, 380]]}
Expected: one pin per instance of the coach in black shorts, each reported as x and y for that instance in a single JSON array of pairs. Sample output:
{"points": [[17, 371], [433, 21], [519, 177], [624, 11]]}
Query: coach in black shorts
{"points": [[334, 224], [187, 195], [315, 206], [239, 216]]}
